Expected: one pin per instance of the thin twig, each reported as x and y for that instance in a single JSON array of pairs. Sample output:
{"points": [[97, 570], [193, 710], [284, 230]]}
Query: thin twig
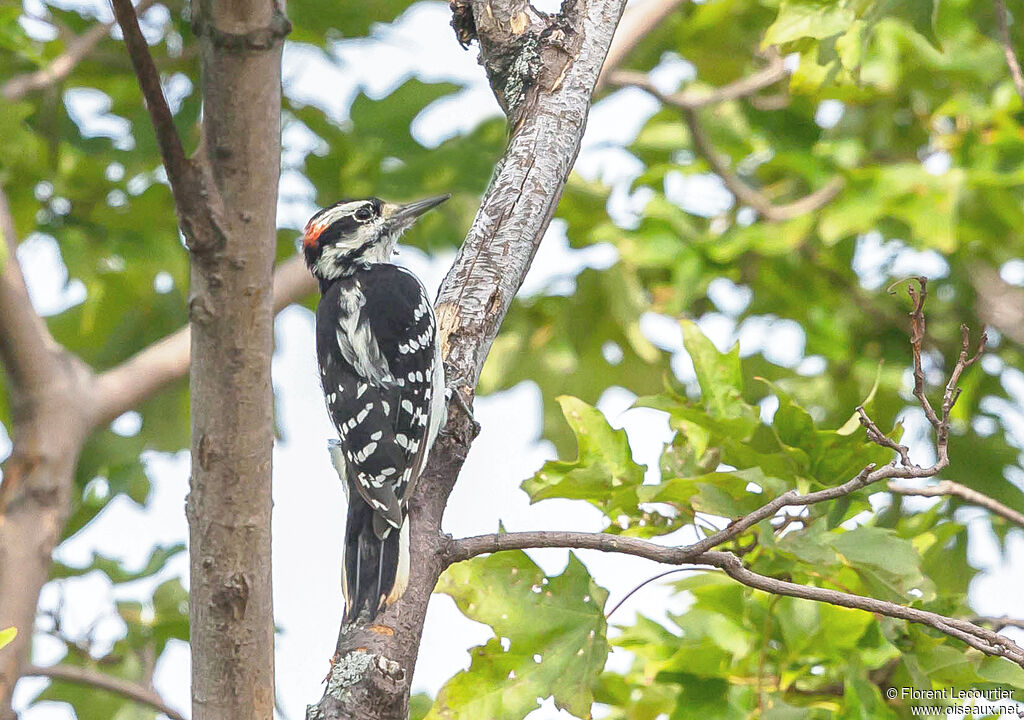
{"points": [[748, 195], [879, 438], [980, 638], [75, 50], [1004, 39], [948, 488], [644, 584], [109, 683]]}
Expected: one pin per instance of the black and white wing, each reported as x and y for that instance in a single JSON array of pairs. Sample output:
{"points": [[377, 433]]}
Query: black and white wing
{"points": [[382, 378]]}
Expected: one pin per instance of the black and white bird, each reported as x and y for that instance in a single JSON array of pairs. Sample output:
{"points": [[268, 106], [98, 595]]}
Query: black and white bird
{"points": [[382, 376]]}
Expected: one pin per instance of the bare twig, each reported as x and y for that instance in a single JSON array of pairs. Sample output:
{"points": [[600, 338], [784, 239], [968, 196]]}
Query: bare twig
{"points": [[695, 99], [1004, 39], [125, 688], [977, 637], [948, 488], [61, 66], [879, 438], [748, 195], [639, 587], [917, 324]]}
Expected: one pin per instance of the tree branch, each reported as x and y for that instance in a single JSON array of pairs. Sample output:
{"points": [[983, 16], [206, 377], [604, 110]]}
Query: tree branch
{"points": [[748, 195], [696, 99], [999, 623], [1004, 39], [179, 171], [141, 376], [27, 349], [948, 488], [980, 638], [125, 688], [1000, 304], [61, 66], [639, 19], [977, 637], [196, 200]]}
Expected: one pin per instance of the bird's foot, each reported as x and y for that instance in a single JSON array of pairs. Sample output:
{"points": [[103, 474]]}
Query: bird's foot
{"points": [[333, 661], [452, 393]]}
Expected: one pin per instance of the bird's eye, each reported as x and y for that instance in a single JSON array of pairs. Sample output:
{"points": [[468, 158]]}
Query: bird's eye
{"points": [[363, 214]]}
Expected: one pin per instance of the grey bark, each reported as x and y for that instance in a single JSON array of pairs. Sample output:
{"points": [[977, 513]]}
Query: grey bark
{"points": [[231, 317], [226, 205], [543, 71]]}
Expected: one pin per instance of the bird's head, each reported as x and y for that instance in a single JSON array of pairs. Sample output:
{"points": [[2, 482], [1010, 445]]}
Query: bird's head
{"points": [[351, 233]]}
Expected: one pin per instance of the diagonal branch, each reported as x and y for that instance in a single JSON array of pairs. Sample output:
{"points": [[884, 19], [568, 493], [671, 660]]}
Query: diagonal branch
{"points": [[639, 19], [179, 171], [125, 688], [748, 195], [948, 488], [987, 641], [138, 378], [1004, 39], [695, 99], [61, 66], [196, 201], [27, 349]]}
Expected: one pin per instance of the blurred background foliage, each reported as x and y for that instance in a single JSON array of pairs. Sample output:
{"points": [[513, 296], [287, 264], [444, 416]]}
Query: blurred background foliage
{"points": [[907, 104]]}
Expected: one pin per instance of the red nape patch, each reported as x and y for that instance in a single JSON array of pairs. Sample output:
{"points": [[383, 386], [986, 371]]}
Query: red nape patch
{"points": [[313, 230]]}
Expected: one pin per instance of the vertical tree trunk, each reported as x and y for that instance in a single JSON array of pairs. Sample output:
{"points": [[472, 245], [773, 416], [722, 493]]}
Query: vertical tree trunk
{"points": [[232, 335]]}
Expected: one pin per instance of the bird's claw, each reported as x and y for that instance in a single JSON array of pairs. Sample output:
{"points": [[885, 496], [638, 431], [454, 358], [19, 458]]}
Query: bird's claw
{"points": [[452, 393]]}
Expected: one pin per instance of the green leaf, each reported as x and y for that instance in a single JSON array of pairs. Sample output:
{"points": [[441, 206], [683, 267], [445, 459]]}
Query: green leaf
{"points": [[7, 636], [603, 473], [549, 638], [113, 568], [719, 374], [888, 564], [808, 18]]}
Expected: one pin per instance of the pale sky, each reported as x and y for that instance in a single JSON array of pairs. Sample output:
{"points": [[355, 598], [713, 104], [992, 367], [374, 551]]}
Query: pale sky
{"points": [[308, 500]]}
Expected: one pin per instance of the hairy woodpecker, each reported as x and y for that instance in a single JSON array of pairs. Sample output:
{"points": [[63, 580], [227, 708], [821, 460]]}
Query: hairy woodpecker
{"points": [[382, 377]]}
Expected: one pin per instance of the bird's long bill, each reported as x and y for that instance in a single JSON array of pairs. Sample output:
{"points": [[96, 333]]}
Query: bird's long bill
{"points": [[406, 215]]}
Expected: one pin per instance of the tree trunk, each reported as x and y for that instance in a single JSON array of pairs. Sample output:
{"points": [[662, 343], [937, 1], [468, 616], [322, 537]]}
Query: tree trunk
{"points": [[231, 315]]}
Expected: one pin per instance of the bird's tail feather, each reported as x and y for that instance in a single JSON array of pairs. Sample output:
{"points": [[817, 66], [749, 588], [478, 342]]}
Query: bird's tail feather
{"points": [[376, 569]]}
